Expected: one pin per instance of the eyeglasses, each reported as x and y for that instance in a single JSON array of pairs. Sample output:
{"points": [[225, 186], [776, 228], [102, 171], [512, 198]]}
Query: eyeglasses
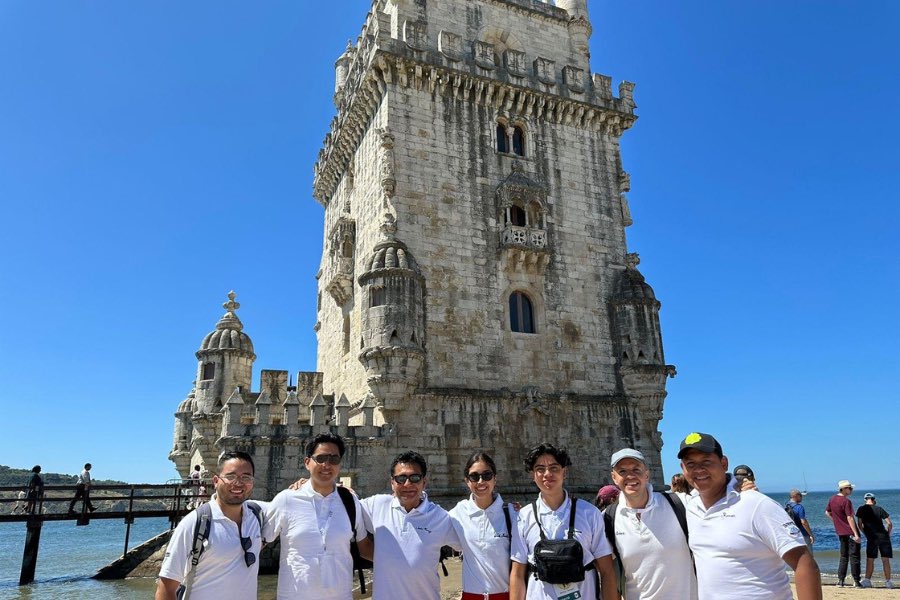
{"points": [[402, 479], [332, 459], [246, 544], [552, 469], [242, 479], [476, 477]]}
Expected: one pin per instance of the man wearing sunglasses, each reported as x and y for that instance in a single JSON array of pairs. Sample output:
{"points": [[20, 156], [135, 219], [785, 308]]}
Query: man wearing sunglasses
{"points": [[228, 565], [409, 532], [315, 529]]}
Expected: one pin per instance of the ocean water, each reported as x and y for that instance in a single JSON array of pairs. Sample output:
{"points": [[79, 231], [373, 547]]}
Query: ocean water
{"points": [[69, 555]]}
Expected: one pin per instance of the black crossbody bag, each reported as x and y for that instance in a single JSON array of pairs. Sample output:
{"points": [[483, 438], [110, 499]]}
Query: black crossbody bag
{"points": [[558, 561]]}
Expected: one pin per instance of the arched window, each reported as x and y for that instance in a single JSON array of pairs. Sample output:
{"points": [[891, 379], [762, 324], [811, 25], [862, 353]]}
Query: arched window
{"points": [[502, 140], [209, 371], [521, 313], [519, 141], [516, 216]]}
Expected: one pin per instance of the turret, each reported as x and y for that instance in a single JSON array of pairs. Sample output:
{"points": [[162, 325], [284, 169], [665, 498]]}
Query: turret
{"points": [[341, 69], [393, 320], [225, 361], [579, 24]]}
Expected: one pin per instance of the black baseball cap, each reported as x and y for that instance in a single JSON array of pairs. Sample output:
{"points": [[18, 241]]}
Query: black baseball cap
{"points": [[700, 441]]}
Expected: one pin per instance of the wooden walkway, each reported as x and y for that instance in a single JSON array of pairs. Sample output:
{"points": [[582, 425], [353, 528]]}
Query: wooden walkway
{"points": [[131, 501]]}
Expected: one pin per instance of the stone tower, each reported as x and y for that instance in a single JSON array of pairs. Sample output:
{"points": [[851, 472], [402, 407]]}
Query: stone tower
{"points": [[475, 289]]}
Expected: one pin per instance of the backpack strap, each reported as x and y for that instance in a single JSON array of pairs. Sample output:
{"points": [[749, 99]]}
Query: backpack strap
{"points": [[350, 506], [508, 521], [681, 514], [609, 527], [257, 511], [571, 534], [201, 534], [537, 520]]}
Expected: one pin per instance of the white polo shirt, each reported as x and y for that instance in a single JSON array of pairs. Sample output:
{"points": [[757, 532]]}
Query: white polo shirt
{"points": [[407, 547], [589, 530], [315, 537], [655, 556], [738, 546], [485, 544], [222, 573]]}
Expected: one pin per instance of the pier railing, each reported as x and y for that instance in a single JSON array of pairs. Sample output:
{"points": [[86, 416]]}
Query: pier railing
{"points": [[128, 502]]}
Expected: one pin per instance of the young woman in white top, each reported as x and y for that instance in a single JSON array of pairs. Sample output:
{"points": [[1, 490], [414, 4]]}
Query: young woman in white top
{"points": [[485, 526]]}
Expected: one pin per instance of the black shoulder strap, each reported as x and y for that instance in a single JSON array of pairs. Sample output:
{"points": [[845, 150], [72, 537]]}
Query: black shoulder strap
{"points": [[350, 506], [609, 525], [572, 519], [257, 511], [508, 521], [537, 520], [201, 532], [680, 512]]}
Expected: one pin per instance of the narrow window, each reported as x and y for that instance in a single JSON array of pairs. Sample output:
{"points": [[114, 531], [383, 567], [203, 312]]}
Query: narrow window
{"points": [[521, 315], [519, 141], [377, 296], [209, 371], [502, 141], [346, 334], [347, 249], [516, 216]]}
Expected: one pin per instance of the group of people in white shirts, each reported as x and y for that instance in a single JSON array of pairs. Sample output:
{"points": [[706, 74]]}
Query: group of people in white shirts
{"points": [[719, 542]]}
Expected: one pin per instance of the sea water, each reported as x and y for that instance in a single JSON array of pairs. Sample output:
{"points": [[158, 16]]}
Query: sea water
{"points": [[69, 555]]}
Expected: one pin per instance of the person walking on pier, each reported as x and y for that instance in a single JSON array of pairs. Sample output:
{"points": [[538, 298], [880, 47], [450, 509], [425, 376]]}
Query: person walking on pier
{"points": [[227, 567], [35, 489], [83, 490]]}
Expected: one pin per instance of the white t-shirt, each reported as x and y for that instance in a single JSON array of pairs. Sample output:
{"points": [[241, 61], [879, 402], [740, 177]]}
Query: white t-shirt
{"points": [[485, 544], [222, 573], [315, 537], [589, 530], [654, 552], [85, 477], [738, 546], [407, 547]]}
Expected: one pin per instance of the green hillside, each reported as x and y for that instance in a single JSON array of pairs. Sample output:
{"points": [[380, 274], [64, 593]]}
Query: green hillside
{"points": [[19, 477]]}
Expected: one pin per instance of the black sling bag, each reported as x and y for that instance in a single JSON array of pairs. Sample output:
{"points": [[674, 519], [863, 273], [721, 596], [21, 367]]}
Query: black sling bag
{"points": [[558, 561]]}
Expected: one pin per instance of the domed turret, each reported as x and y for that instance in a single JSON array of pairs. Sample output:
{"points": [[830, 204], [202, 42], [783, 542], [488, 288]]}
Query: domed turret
{"points": [[636, 318], [393, 320], [225, 360]]}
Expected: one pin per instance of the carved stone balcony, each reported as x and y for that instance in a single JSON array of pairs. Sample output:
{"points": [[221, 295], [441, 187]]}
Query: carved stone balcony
{"points": [[525, 237], [339, 280]]}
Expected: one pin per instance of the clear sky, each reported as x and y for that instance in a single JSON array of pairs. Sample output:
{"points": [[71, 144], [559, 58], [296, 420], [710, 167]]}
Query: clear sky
{"points": [[156, 154]]}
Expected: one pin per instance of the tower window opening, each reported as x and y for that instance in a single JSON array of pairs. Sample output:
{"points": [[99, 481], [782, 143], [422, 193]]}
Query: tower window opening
{"points": [[521, 313], [346, 334], [518, 141], [377, 297], [517, 216], [209, 371], [502, 140], [347, 249]]}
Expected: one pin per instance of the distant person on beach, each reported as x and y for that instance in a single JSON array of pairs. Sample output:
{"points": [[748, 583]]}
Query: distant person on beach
{"points": [[83, 490], [229, 565], [680, 485], [840, 511], [740, 540], [314, 527], [872, 520], [606, 495], [798, 514], [742, 472], [35, 489]]}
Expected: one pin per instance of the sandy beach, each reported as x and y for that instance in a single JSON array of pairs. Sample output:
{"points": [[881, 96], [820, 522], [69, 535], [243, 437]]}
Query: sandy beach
{"points": [[450, 588]]}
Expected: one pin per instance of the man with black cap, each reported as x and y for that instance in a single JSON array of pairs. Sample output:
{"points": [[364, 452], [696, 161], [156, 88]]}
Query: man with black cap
{"points": [[740, 541], [646, 532], [840, 511], [872, 521]]}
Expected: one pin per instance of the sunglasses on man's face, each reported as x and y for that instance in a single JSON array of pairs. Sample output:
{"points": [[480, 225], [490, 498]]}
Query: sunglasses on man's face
{"points": [[475, 477], [332, 459], [402, 479]]}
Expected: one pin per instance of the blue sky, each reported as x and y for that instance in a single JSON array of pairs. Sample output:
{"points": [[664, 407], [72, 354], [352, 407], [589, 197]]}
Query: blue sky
{"points": [[156, 154]]}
